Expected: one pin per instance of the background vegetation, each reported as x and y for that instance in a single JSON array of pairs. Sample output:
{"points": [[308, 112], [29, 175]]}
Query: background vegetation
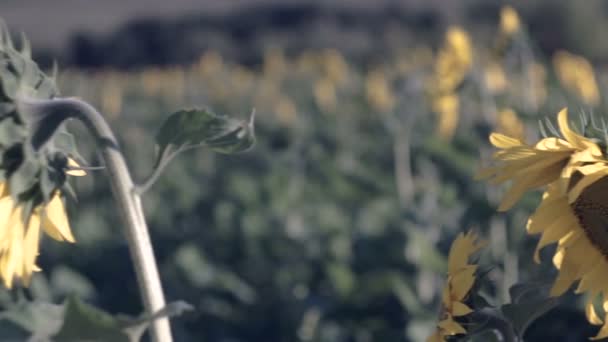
{"points": [[336, 226]]}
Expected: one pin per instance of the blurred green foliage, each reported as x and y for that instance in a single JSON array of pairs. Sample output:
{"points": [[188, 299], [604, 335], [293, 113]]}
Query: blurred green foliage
{"points": [[335, 226]]}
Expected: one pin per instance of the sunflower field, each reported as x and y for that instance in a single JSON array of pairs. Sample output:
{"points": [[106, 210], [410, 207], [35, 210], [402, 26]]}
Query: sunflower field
{"points": [[397, 201]]}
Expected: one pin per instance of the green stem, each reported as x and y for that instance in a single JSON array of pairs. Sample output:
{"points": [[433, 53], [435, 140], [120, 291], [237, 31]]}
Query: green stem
{"points": [[129, 202]]}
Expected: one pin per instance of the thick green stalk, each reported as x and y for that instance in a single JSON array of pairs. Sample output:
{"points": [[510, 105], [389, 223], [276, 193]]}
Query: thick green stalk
{"points": [[50, 113]]}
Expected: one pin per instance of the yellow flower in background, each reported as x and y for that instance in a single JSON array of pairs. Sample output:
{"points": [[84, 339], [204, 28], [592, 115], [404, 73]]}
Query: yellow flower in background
{"points": [[574, 208], [275, 64], [20, 237], [286, 111], [461, 278], [325, 94], [576, 74], [447, 108], [335, 66], [453, 61], [495, 78], [529, 167], [509, 124], [210, 62], [509, 21], [379, 92]]}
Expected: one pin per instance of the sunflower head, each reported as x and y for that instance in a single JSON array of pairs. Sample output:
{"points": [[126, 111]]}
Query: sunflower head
{"points": [[534, 166], [460, 281], [573, 213], [32, 176]]}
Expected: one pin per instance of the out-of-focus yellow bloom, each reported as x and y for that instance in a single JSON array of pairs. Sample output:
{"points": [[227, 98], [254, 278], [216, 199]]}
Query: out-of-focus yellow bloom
{"points": [[379, 92], [111, 95], [573, 211], [20, 237], [210, 62], [495, 78], [576, 74], [510, 125], [151, 79], [307, 62], [509, 21], [461, 278], [275, 64], [447, 108], [286, 111], [453, 61], [325, 94], [335, 66], [242, 79]]}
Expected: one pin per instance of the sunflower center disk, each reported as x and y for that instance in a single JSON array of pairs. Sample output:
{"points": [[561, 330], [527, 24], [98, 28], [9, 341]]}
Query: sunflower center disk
{"points": [[593, 218]]}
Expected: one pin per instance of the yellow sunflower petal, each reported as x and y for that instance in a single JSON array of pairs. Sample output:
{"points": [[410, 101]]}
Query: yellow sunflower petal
{"points": [[13, 256], [556, 231], [573, 138], [460, 309], [592, 316], [55, 221], [553, 144], [603, 333], [549, 212], [76, 171], [568, 272], [594, 280], [502, 141], [461, 282], [31, 244], [451, 327], [462, 248]]}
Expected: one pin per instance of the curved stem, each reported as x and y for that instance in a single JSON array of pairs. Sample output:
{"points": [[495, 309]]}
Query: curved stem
{"points": [[129, 202]]}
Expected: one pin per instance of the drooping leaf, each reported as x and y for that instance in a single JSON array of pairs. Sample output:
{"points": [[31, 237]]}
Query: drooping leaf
{"points": [[201, 127]]}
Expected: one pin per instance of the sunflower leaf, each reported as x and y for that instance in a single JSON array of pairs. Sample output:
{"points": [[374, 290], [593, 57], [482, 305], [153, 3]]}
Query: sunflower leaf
{"points": [[187, 129], [85, 322], [522, 314], [202, 128]]}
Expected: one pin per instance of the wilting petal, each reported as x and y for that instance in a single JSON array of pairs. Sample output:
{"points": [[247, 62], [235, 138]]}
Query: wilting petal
{"points": [[55, 220], [76, 172], [31, 243]]}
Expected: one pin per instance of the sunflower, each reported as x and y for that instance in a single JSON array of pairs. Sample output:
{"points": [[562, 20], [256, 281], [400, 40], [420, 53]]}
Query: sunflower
{"points": [[19, 235], [573, 212], [529, 167], [461, 277]]}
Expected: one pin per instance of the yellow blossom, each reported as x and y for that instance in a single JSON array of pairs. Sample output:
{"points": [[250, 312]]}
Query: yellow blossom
{"points": [[19, 236], [576, 74], [461, 278], [509, 21], [574, 208]]}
